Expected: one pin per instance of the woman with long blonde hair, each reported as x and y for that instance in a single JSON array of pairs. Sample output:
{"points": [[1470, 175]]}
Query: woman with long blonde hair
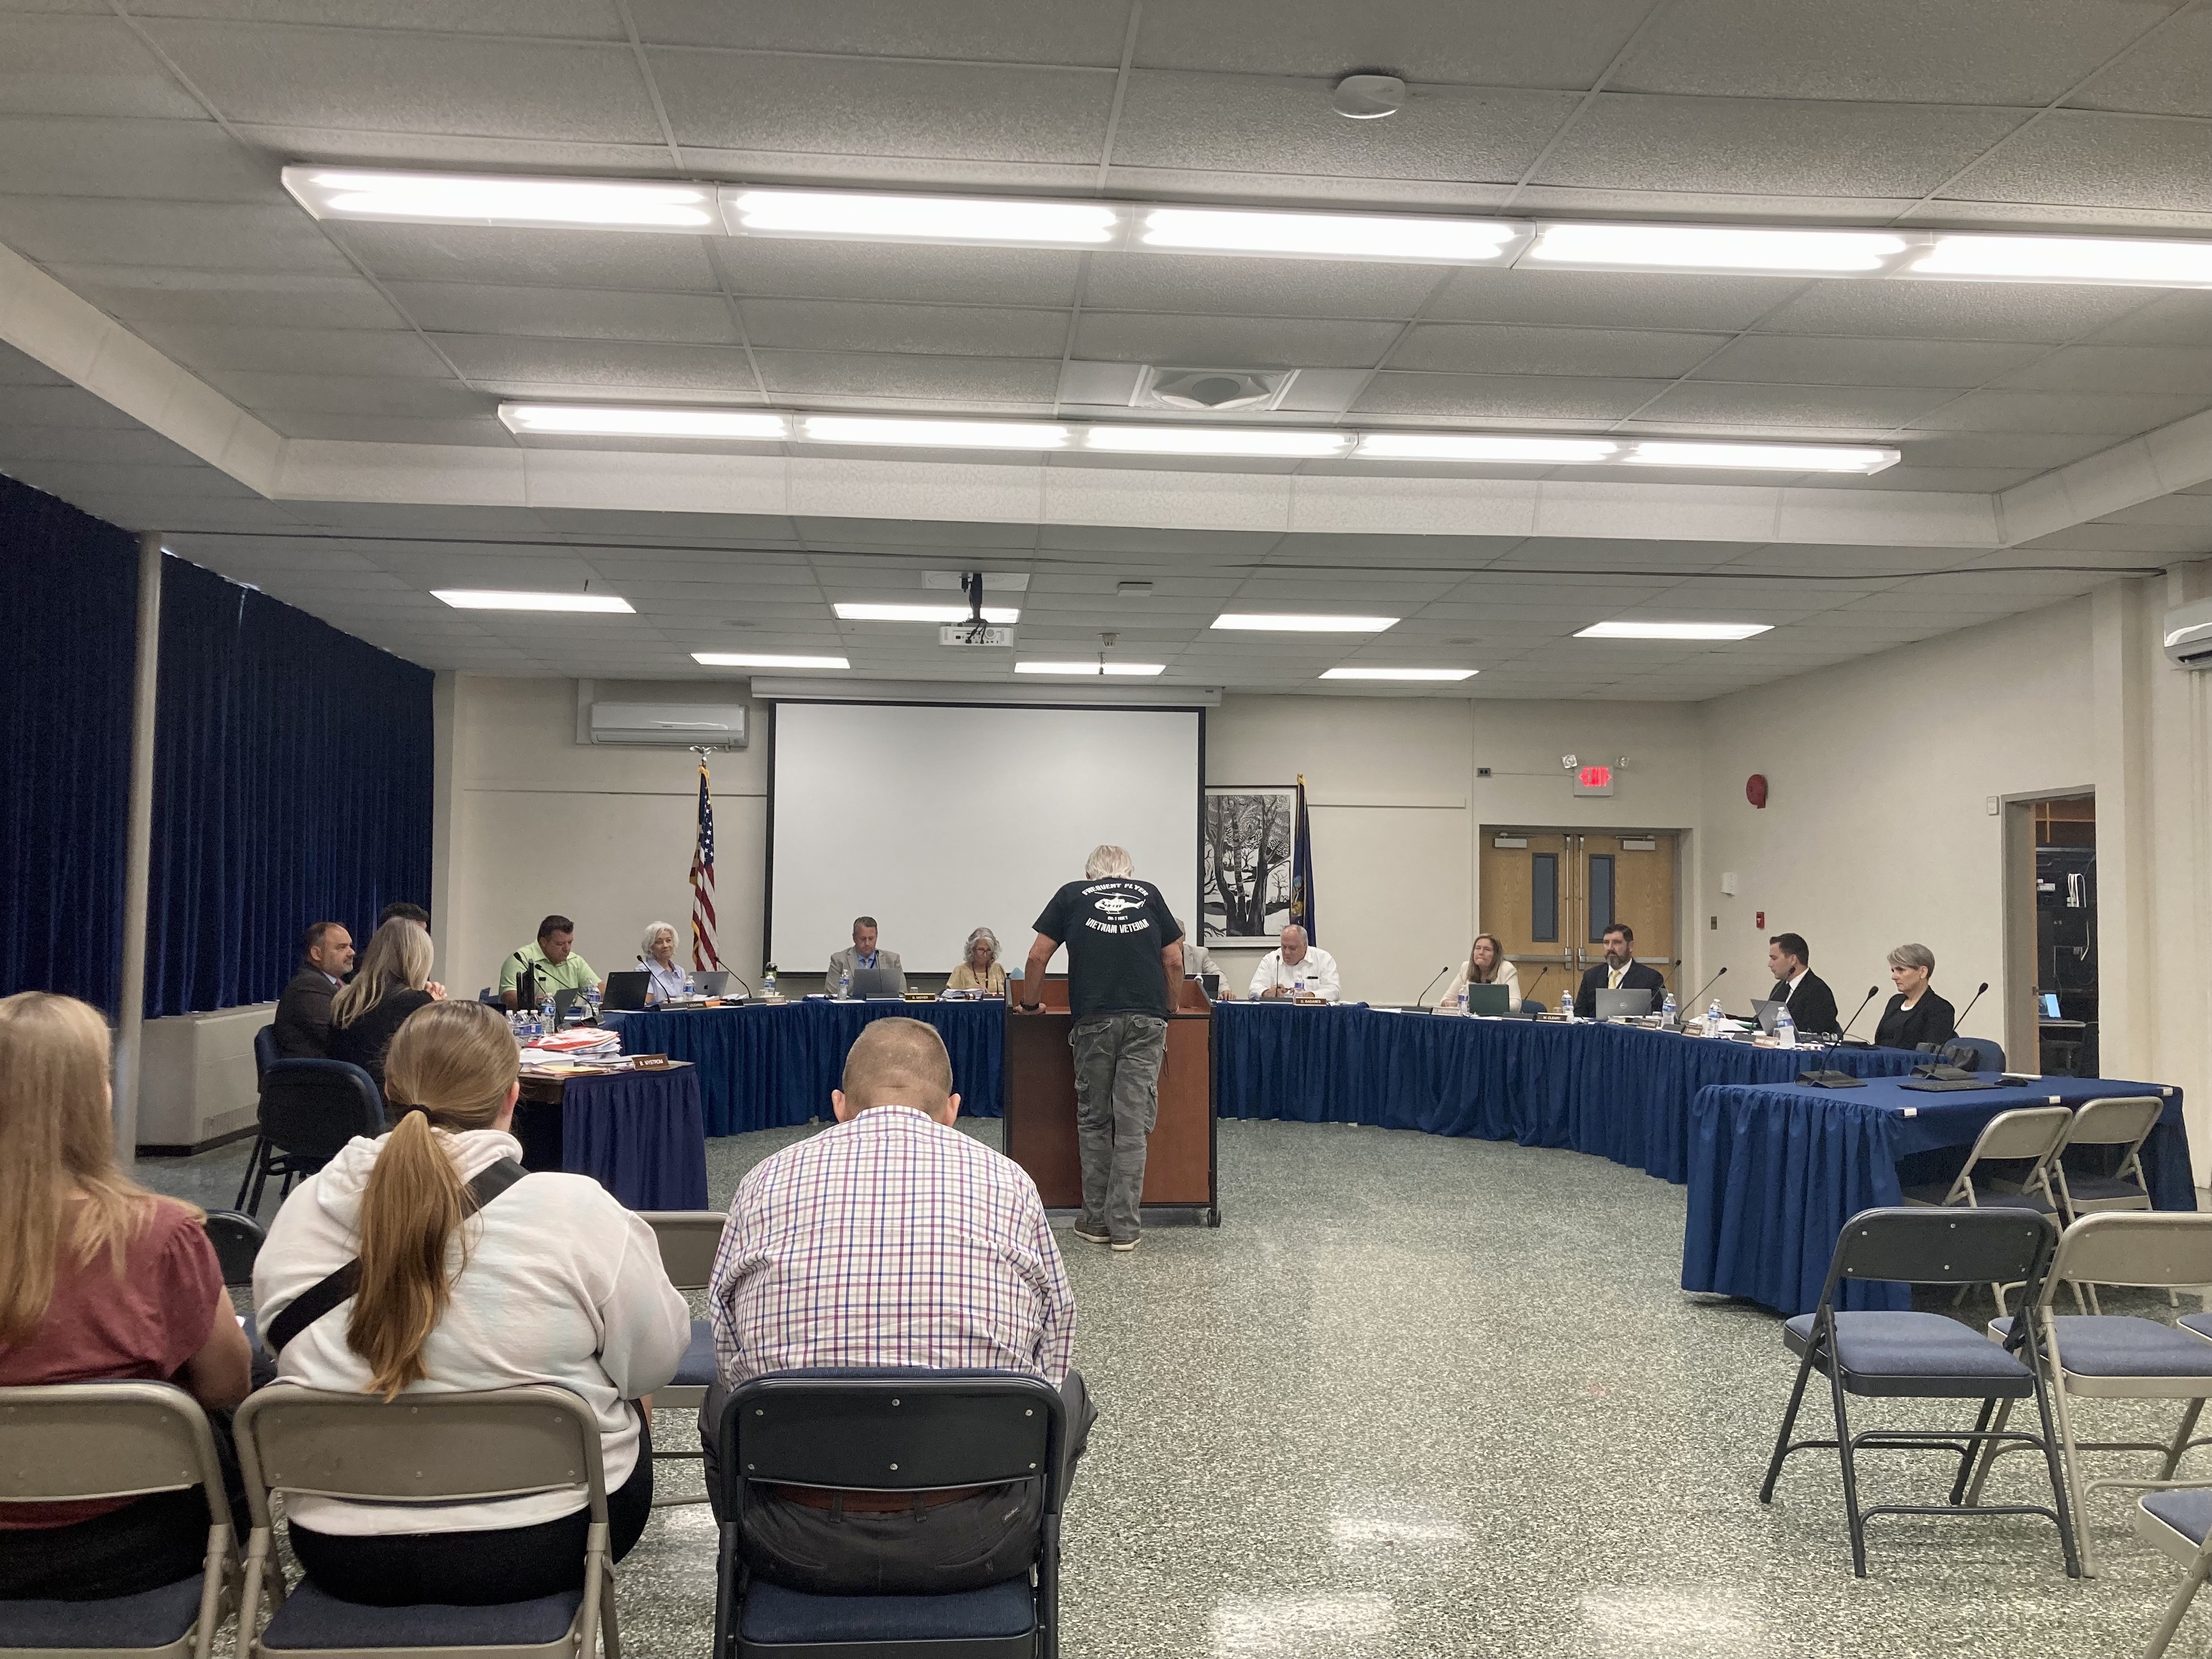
{"points": [[391, 982], [548, 1279], [1486, 964], [101, 1281]]}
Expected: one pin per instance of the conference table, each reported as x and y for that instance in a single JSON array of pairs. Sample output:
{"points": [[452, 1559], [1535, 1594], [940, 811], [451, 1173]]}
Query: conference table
{"points": [[1776, 1170], [640, 1133]]}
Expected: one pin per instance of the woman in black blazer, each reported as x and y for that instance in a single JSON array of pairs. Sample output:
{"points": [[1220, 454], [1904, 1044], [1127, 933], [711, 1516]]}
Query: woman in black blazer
{"points": [[394, 981], [1916, 1014]]}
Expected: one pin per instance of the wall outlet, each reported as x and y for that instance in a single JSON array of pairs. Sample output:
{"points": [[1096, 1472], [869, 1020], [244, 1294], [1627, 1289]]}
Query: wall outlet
{"points": [[1990, 803]]}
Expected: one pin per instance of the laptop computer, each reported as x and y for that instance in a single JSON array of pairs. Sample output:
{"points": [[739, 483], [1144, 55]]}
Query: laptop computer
{"points": [[1623, 1004], [1211, 984], [1490, 999], [1768, 1014], [879, 982], [626, 991], [564, 1003], [710, 982], [2047, 1004]]}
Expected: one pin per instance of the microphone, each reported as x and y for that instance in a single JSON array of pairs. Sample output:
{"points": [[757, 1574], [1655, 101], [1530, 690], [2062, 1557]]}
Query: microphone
{"points": [[1826, 1078], [1969, 1008], [1422, 999], [1685, 1007]]}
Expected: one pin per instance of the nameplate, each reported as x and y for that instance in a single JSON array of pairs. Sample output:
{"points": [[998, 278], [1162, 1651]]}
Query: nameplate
{"points": [[650, 1063]]}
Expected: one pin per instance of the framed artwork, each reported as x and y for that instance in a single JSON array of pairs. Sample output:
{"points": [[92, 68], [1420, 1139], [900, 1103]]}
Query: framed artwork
{"points": [[1247, 840]]}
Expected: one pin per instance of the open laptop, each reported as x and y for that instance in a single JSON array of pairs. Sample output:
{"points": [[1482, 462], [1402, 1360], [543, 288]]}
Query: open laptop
{"points": [[710, 982], [1489, 999], [564, 1003], [1768, 1014], [1211, 984], [879, 982], [2047, 1004], [1623, 1004], [626, 991]]}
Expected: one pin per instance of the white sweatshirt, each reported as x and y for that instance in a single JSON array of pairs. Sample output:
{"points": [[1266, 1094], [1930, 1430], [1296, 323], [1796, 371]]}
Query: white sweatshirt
{"points": [[561, 1284]]}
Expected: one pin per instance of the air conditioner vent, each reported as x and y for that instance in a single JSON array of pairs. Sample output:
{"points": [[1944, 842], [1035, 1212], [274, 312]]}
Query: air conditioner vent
{"points": [[1213, 391]]}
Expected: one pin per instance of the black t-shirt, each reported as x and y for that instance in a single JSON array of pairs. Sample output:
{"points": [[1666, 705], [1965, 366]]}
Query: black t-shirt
{"points": [[1115, 929]]}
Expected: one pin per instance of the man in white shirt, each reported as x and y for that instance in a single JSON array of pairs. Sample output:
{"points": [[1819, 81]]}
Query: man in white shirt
{"points": [[1281, 970]]}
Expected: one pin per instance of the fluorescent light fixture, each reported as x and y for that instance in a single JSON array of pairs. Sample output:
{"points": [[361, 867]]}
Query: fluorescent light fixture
{"points": [[1332, 236], [933, 435], [2068, 259], [764, 659], [1260, 621], [1765, 458], [1714, 248], [1672, 630], [1090, 667], [1452, 446], [1286, 442], [1400, 673], [593, 421], [920, 613], [858, 216], [451, 198], [488, 599]]}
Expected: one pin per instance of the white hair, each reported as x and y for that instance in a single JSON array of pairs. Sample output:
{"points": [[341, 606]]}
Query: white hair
{"points": [[1300, 932], [653, 930], [1109, 861], [968, 950]]}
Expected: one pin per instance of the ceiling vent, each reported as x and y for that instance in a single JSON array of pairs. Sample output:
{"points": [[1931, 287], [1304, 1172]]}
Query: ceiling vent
{"points": [[1213, 391]]}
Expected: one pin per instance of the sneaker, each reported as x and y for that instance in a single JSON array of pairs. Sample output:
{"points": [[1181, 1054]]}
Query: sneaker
{"points": [[1091, 1235], [1124, 1245]]}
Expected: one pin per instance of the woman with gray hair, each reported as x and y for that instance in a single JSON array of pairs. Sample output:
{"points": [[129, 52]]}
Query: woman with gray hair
{"points": [[664, 976], [980, 969], [1916, 1017]]}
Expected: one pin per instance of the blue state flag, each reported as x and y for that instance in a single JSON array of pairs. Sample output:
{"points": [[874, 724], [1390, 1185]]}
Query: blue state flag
{"points": [[1302, 881]]}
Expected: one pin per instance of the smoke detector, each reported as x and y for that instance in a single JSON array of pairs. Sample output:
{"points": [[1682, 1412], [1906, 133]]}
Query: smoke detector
{"points": [[1368, 97], [1215, 391]]}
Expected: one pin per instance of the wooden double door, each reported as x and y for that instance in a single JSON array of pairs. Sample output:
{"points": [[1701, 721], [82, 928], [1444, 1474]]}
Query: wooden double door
{"points": [[1549, 895]]}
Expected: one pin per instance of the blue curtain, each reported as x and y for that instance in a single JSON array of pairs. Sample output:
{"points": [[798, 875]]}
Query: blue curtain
{"points": [[68, 630], [293, 777]]}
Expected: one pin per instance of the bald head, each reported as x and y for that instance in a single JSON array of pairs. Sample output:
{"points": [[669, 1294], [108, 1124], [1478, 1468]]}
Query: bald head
{"points": [[898, 1062], [1293, 942]]}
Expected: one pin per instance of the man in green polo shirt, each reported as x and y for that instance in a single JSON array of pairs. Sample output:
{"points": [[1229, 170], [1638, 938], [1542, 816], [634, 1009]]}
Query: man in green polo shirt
{"points": [[551, 963]]}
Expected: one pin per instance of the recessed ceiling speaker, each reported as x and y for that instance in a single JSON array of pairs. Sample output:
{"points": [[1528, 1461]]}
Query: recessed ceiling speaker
{"points": [[1368, 97], [1215, 390]]}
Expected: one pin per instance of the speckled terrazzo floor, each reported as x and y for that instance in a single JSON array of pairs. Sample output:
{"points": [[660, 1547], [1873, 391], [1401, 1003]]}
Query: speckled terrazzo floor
{"points": [[1420, 1396]]}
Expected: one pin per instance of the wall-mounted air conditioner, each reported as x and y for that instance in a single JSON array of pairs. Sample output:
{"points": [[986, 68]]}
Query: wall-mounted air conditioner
{"points": [[669, 724], [2189, 635]]}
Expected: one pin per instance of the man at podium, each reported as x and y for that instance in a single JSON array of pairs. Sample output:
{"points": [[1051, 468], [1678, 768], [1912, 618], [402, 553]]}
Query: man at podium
{"points": [[1124, 967]]}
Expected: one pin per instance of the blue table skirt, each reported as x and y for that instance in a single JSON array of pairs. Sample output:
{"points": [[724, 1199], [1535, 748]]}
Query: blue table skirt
{"points": [[1618, 1091], [640, 1135], [766, 1068], [1776, 1171]]}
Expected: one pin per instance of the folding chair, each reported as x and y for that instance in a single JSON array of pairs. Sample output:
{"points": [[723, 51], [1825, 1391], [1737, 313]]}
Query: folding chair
{"points": [[2122, 1120], [79, 1440], [904, 1432], [421, 1449], [2033, 1133], [2178, 1522], [1924, 1356], [237, 1238], [309, 1110], [688, 1240], [2119, 1357]]}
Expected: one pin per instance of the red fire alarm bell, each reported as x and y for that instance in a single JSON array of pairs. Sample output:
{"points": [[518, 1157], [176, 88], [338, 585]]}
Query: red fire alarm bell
{"points": [[1754, 789], [1758, 918]]}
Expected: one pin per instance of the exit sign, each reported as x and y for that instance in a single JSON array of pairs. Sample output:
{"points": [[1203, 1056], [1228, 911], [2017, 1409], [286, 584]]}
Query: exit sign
{"points": [[1594, 781]]}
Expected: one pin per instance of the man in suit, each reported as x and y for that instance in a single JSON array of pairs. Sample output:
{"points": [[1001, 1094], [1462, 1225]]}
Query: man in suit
{"points": [[863, 953], [1620, 971], [303, 1012], [1812, 1004]]}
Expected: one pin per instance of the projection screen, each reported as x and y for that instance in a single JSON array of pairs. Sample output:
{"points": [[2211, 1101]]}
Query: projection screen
{"points": [[937, 820]]}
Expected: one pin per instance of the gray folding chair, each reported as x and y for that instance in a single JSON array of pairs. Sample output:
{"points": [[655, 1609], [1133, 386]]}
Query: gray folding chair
{"points": [[421, 1449], [688, 1240], [2033, 1133], [2178, 1522], [2119, 1357], [2122, 1120], [79, 1440]]}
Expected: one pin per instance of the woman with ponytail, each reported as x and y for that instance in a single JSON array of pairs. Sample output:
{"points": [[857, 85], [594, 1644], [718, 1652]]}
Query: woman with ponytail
{"points": [[100, 1281], [548, 1280]]}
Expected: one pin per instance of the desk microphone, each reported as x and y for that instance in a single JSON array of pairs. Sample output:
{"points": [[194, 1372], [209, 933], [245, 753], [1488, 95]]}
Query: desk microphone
{"points": [[1422, 999], [1826, 1078], [1969, 1008], [1686, 1006]]}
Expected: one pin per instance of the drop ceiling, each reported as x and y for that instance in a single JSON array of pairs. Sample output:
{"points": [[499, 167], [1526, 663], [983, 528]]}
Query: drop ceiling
{"points": [[139, 150]]}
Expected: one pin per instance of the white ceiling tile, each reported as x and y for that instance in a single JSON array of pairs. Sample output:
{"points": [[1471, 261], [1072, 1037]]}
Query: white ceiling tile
{"points": [[483, 431], [2084, 159], [850, 106], [928, 379], [1971, 311], [566, 313], [1031, 32], [84, 66], [114, 155], [1594, 299], [2169, 74], [123, 446], [2040, 451], [272, 300], [57, 406], [2182, 319], [1964, 51], [335, 394], [2133, 369], [960, 330], [460, 152], [889, 271], [295, 350], [1767, 147], [389, 80], [1825, 360], [1483, 348], [1791, 406], [1259, 124], [2049, 411], [1491, 43], [1506, 397], [1139, 281], [202, 236], [582, 20], [1232, 342], [550, 259], [606, 368]]}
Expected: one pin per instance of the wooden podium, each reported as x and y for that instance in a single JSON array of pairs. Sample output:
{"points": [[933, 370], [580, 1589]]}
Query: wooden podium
{"points": [[1040, 1099]]}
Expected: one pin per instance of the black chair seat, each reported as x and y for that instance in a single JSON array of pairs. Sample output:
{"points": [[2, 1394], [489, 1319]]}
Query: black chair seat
{"points": [[2097, 1188], [696, 1369], [151, 1619], [1922, 1354], [774, 1616], [312, 1618], [2120, 1344], [2187, 1510]]}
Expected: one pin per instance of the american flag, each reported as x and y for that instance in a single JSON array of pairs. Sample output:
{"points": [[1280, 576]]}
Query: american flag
{"points": [[704, 951]]}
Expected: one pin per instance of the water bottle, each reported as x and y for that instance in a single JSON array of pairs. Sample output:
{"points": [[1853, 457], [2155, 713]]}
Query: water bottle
{"points": [[545, 1022], [1298, 986], [1785, 1030], [844, 984], [1566, 1005], [592, 1005], [767, 981], [1463, 999], [690, 985], [1669, 1013], [1713, 1018]]}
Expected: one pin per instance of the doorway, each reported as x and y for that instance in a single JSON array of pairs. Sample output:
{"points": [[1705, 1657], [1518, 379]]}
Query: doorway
{"points": [[1549, 895], [2066, 935]]}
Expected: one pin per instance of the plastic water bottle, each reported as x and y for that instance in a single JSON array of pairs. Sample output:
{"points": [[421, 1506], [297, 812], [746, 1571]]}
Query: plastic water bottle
{"points": [[1785, 1030], [1299, 985], [592, 1005], [1670, 1013], [767, 981], [844, 984], [545, 1018], [1713, 1018], [1566, 1005]]}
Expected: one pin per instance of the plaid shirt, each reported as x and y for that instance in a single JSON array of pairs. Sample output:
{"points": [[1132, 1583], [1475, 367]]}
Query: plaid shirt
{"points": [[892, 1240]]}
